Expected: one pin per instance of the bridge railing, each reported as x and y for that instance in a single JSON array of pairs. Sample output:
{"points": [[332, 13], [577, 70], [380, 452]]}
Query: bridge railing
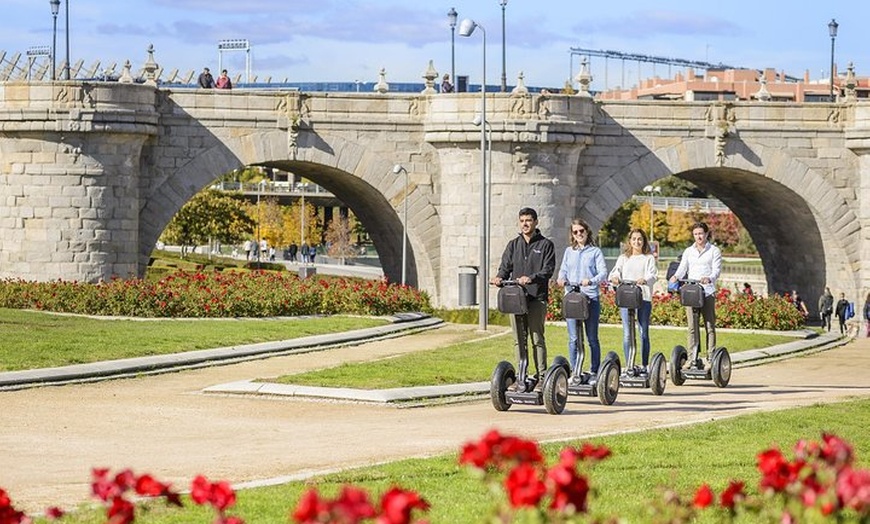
{"points": [[266, 188], [704, 205]]}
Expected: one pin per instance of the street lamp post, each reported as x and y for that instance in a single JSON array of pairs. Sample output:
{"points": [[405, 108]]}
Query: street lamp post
{"points": [[259, 238], [487, 214], [66, 67], [396, 170], [503, 4], [302, 187], [55, 8], [452, 15], [651, 190], [832, 30], [466, 28]]}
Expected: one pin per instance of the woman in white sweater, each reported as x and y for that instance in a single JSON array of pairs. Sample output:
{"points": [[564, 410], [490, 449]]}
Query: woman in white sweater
{"points": [[638, 264]]}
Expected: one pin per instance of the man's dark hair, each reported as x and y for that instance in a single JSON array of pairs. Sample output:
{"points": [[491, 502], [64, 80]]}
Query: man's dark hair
{"points": [[527, 211], [701, 225]]}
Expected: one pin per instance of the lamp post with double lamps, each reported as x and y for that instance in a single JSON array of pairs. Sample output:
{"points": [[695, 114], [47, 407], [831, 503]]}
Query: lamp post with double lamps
{"points": [[651, 190], [396, 170], [466, 28], [55, 8], [503, 4], [832, 30], [452, 15]]}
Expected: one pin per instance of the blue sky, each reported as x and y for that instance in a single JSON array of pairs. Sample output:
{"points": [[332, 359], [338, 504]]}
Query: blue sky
{"points": [[348, 40]]}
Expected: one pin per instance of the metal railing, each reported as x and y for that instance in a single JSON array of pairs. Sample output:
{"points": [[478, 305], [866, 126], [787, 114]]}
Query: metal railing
{"points": [[704, 205], [270, 188]]}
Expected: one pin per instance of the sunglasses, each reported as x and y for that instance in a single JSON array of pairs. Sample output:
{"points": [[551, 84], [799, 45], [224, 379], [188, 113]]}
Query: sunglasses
{"points": [[578, 231]]}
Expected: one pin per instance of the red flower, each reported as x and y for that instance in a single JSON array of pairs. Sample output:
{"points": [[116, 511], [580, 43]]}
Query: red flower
{"points": [[397, 505], [53, 513], [853, 489], [732, 494], [703, 497], [121, 511], [524, 486], [8, 514], [310, 507], [777, 472], [835, 451], [352, 505], [497, 450], [103, 488], [219, 494], [569, 489]]}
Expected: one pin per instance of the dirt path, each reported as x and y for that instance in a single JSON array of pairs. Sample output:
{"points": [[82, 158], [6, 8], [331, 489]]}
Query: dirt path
{"points": [[51, 437]]}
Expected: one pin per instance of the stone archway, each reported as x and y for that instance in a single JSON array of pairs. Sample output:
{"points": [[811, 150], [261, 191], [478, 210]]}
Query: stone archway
{"points": [[365, 186], [777, 198]]}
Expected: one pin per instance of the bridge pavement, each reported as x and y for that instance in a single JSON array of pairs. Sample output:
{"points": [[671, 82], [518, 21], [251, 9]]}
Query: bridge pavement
{"points": [[165, 425]]}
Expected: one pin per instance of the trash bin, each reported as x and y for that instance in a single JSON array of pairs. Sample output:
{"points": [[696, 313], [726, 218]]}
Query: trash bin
{"points": [[467, 285]]}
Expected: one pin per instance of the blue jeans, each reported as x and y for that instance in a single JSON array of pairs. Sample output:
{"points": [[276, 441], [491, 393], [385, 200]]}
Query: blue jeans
{"points": [[591, 327], [642, 317]]}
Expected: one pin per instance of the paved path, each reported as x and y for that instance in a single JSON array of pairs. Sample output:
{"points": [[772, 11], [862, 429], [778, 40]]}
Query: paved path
{"points": [[51, 437]]}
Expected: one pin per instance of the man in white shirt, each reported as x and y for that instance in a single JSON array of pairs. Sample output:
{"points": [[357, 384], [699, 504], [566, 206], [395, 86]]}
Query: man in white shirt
{"points": [[702, 262]]}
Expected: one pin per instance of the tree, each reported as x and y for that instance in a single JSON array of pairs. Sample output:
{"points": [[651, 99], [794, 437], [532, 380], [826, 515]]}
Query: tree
{"points": [[209, 215], [339, 238], [615, 230], [293, 226]]}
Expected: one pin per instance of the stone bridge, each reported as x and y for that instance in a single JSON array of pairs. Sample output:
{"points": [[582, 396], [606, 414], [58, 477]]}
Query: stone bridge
{"points": [[91, 173]]}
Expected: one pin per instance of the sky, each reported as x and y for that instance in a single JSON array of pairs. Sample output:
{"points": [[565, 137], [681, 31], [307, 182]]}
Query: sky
{"points": [[351, 40]]}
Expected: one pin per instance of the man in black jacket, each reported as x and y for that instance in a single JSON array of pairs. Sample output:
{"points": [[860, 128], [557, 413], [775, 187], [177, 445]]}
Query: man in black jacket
{"points": [[530, 259]]}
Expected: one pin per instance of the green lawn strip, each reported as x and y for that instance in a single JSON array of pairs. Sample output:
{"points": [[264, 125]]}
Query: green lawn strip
{"points": [[625, 485], [34, 340], [474, 361]]}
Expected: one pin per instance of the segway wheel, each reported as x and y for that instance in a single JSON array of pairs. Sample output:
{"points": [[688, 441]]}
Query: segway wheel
{"points": [[556, 390], [608, 381], [502, 377], [679, 356], [721, 367], [658, 374]]}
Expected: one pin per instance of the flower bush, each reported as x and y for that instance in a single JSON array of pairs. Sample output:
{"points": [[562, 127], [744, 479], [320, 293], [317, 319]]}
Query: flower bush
{"points": [[819, 484], [216, 294], [732, 310]]}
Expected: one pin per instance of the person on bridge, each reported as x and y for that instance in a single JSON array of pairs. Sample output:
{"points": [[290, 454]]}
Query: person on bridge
{"points": [[702, 262], [530, 259], [583, 265], [638, 264], [446, 86], [206, 81], [223, 81], [826, 308]]}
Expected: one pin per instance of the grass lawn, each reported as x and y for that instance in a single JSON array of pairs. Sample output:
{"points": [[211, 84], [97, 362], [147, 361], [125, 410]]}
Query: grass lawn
{"points": [[34, 340], [474, 361], [625, 485]]}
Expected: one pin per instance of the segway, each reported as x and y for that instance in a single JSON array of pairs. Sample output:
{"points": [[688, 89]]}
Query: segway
{"points": [[510, 386], [629, 295], [604, 384], [681, 369]]}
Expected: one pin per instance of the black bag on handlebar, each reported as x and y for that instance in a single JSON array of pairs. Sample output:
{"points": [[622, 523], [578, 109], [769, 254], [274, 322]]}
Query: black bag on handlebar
{"points": [[692, 295], [512, 300], [629, 296], [575, 305]]}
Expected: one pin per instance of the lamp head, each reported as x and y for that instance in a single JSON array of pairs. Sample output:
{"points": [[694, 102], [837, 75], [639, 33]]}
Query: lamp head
{"points": [[452, 15], [647, 189], [477, 120], [398, 169], [832, 28], [55, 6], [467, 27], [503, 3]]}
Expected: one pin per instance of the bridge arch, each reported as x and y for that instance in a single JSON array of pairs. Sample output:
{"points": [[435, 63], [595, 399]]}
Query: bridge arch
{"points": [[355, 175], [806, 233]]}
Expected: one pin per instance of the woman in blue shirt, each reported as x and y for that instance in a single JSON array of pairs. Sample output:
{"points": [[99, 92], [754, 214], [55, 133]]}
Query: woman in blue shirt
{"points": [[583, 265]]}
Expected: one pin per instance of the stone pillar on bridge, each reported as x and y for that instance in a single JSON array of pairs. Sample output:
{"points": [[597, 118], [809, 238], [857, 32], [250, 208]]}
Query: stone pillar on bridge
{"points": [[69, 178]]}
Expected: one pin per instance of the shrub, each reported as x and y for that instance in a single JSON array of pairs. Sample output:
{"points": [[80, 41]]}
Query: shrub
{"points": [[216, 294], [737, 311]]}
